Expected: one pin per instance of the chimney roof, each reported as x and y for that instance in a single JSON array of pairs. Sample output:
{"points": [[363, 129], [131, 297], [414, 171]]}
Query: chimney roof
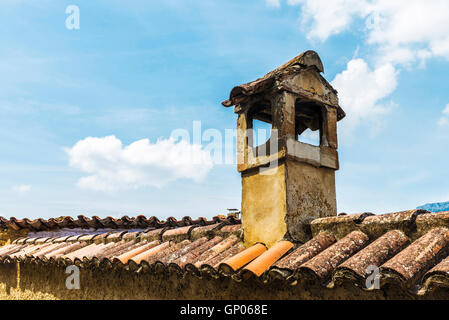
{"points": [[343, 249], [306, 59]]}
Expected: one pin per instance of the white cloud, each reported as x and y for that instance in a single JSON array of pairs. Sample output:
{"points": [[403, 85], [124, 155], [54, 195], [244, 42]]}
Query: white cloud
{"points": [[404, 31], [396, 34], [326, 18], [22, 188], [273, 3], [421, 27], [444, 120], [446, 110], [112, 166], [361, 89]]}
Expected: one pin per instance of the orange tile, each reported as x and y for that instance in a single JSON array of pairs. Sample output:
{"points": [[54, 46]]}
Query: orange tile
{"points": [[215, 250], [265, 260], [128, 255], [68, 248], [151, 252], [239, 260], [78, 252]]}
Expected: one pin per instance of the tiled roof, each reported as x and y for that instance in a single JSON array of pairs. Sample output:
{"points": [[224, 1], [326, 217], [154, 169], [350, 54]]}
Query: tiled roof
{"points": [[187, 247], [139, 222], [410, 248]]}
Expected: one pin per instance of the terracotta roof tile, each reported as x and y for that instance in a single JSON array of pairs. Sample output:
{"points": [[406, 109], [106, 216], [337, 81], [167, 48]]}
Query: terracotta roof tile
{"points": [[150, 252], [321, 266], [412, 262], [42, 240], [266, 259], [115, 237], [403, 220], [61, 239], [373, 226], [207, 256], [438, 276], [18, 239], [231, 228], [192, 247], [426, 222], [236, 262], [163, 254], [99, 238], [87, 253], [26, 251], [121, 248], [99, 251], [50, 248], [194, 255], [78, 253], [108, 222], [305, 252], [22, 240], [228, 253], [409, 247], [74, 238], [131, 235], [58, 253], [124, 257], [150, 235], [205, 231], [10, 249], [89, 237], [375, 254], [181, 233]]}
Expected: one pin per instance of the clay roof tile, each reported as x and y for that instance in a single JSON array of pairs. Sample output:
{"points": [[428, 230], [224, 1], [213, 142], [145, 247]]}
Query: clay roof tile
{"points": [[124, 257], [360, 265], [236, 262], [266, 259], [412, 262], [321, 266]]}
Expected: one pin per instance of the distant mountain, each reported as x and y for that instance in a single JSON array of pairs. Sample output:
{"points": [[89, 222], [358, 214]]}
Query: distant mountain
{"points": [[435, 207]]}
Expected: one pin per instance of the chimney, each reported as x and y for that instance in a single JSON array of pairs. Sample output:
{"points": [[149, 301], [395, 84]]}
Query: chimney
{"points": [[287, 183]]}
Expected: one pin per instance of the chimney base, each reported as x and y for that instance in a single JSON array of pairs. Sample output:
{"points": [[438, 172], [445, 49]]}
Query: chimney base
{"points": [[280, 202]]}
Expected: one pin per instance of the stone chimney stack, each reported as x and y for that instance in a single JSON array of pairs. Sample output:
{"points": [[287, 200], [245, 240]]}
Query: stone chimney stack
{"points": [[287, 183]]}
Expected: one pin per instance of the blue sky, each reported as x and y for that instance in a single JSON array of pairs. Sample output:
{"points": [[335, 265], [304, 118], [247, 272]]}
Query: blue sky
{"points": [[140, 69]]}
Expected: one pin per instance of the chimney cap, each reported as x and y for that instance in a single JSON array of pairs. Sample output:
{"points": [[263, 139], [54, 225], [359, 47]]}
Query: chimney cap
{"points": [[305, 60]]}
